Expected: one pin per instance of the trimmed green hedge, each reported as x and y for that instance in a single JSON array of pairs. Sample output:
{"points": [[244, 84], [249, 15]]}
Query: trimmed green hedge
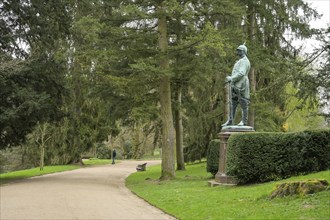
{"points": [[212, 163], [261, 157]]}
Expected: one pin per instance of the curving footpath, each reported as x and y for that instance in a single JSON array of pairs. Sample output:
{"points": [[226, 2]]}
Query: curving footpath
{"points": [[91, 193]]}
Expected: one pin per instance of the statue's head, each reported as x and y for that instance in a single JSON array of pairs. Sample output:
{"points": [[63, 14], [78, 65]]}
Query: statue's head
{"points": [[242, 50]]}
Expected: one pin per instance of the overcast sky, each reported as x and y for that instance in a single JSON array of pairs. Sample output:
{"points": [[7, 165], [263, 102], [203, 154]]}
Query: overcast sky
{"points": [[322, 7]]}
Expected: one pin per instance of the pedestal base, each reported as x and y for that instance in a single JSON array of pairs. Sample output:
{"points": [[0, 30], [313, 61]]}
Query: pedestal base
{"points": [[224, 135], [236, 128], [223, 179]]}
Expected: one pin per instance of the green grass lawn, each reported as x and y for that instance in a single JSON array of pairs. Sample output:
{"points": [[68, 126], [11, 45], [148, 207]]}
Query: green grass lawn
{"points": [[95, 161], [22, 174], [190, 197]]}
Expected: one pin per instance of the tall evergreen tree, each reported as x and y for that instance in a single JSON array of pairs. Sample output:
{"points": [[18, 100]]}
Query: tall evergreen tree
{"points": [[267, 24], [31, 76]]}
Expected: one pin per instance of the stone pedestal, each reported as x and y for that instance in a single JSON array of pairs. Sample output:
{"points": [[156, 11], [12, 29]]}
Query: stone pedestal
{"points": [[221, 177]]}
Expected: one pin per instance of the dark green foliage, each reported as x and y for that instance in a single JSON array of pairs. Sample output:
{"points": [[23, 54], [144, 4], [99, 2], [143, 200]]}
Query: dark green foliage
{"points": [[35, 23], [127, 150], [31, 92], [213, 157], [261, 157], [103, 152], [31, 75], [192, 153]]}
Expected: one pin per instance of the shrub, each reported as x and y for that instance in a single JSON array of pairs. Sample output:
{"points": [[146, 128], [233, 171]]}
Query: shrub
{"points": [[192, 153], [119, 155], [127, 150], [213, 157], [103, 152], [261, 157]]}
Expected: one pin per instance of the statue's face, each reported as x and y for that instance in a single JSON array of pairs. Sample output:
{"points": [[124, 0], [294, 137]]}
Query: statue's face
{"points": [[240, 53]]}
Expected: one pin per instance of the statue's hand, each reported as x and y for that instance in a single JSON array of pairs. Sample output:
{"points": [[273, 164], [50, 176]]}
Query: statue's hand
{"points": [[228, 79]]}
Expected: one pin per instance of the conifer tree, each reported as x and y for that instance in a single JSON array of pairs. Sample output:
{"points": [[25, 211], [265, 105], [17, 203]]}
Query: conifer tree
{"points": [[273, 57], [31, 77]]}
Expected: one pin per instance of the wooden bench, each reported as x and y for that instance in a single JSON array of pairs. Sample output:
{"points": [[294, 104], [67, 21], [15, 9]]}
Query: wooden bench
{"points": [[141, 167]]}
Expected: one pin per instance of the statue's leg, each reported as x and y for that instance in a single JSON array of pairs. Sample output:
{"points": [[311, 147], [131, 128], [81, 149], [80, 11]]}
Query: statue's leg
{"points": [[245, 110], [233, 110], [232, 107], [230, 104]]}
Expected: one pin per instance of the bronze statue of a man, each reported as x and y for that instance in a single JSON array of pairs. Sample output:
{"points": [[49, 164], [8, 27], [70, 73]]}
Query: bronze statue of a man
{"points": [[239, 90]]}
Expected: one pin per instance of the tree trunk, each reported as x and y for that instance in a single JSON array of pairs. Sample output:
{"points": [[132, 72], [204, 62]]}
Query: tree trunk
{"points": [[76, 112], [179, 131], [168, 167], [252, 76], [138, 144], [253, 92], [42, 157], [42, 143], [156, 137]]}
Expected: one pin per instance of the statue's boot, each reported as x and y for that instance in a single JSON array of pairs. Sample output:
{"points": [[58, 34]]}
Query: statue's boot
{"points": [[232, 109], [229, 122], [240, 124], [244, 121]]}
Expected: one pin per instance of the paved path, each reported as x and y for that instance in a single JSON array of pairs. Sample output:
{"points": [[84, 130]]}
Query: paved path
{"points": [[87, 193]]}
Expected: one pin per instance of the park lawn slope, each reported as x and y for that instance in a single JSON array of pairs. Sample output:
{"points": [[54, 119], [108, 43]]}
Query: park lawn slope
{"points": [[96, 161], [23, 174], [190, 197]]}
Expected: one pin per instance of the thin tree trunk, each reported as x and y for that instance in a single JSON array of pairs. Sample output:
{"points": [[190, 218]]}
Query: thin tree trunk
{"points": [[253, 91], [168, 167], [42, 157], [252, 70], [77, 110], [156, 136], [179, 131], [42, 143]]}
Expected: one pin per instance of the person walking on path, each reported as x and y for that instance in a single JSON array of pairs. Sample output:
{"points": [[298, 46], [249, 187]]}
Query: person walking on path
{"points": [[114, 154]]}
